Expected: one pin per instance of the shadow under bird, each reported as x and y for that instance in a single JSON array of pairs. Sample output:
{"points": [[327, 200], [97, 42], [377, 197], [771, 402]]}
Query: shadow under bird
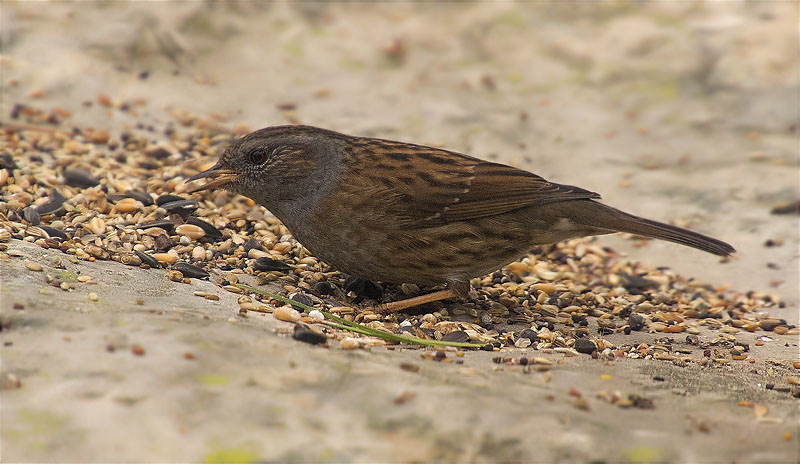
{"points": [[397, 212]]}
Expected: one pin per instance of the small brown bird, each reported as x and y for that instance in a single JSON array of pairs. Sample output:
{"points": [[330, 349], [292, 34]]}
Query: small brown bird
{"points": [[397, 212]]}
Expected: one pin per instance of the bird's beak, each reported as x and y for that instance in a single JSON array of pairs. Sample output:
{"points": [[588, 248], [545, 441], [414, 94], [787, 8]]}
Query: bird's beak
{"points": [[219, 177]]}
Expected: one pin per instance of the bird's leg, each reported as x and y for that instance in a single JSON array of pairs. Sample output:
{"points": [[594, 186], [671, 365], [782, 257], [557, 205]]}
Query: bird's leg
{"points": [[395, 306], [455, 289]]}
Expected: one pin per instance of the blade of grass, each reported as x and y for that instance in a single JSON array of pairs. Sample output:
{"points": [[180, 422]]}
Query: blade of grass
{"points": [[359, 328]]}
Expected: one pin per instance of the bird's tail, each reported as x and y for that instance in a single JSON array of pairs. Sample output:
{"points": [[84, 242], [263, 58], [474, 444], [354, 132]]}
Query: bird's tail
{"points": [[597, 215]]}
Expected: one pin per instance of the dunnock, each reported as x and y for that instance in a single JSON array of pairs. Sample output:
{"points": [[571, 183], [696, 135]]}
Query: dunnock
{"points": [[397, 212]]}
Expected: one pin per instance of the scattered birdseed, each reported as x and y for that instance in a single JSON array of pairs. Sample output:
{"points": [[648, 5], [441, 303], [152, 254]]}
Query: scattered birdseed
{"points": [[130, 206]]}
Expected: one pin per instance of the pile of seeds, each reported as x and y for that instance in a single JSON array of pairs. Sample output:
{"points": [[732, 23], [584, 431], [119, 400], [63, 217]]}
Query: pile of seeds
{"points": [[101, 196]]}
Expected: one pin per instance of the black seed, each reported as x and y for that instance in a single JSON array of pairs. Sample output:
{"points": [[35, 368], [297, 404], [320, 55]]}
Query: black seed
{"points": [[53, 204], [163, 223], [585, 346], [530, 334], [658, 378], [144, 197], [304, 334], [158, 153], [148, 259], [252, 244], [211, 231], [323, 288], [190, 270], [636, 282], [458, 336], [163, 199], [523, 361], [80, 178], [487, 347], [182, 207], [269, 264], [636, 321], [31, 216], [303, 299], [54, 233]]}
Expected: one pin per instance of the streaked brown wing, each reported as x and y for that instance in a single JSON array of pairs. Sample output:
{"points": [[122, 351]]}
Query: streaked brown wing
{"points": [[426, 187]]}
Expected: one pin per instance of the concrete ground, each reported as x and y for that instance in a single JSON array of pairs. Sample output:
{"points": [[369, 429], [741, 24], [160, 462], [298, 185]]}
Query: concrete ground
{"points": [[677, 111]]}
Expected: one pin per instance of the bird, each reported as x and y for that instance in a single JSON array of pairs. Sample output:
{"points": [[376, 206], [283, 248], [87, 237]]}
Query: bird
{"points": [[396, 212]]}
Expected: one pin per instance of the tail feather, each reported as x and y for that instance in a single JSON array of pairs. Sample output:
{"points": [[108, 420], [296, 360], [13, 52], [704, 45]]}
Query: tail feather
{"points": [[601, 216]]}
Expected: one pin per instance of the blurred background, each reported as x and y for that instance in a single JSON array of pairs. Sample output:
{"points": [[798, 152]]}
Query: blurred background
{"points": [[679, 111]]}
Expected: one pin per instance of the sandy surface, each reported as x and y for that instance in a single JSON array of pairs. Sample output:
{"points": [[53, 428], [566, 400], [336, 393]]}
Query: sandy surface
{"points": [[675, 111]]}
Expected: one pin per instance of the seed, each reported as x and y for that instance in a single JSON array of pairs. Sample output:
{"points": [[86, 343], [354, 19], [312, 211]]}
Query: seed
{"points": [[5, 235], [96, 225], [210, 231], [165, 257], [36, 267], [190, 270], [138, 350], [128, 205], [130, 259], [93, 297], [84, 278], [286, 313], [207, 296], [198, 253], [349, 343], [191, 231]]}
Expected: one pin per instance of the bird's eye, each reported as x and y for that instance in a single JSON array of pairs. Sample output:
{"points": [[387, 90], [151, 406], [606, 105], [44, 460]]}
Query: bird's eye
{"points": [[258, 156]]}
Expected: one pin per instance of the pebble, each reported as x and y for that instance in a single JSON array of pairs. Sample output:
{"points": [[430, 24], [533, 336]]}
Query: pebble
{"points": [[286, 313], [93, 297], [175, 276], [316, 314]]}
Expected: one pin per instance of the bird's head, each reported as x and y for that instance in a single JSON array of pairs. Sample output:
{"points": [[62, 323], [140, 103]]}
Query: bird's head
{"points": [[271, 164]]}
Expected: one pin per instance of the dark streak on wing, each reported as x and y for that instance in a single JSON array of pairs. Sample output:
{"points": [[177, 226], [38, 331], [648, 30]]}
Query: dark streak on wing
{"points": [[450, 186]]}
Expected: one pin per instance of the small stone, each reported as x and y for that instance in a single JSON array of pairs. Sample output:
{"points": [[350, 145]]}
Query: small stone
{"points": [[175, 276], [93, 297], [585, 346], [316, 314], [286, 313]]}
